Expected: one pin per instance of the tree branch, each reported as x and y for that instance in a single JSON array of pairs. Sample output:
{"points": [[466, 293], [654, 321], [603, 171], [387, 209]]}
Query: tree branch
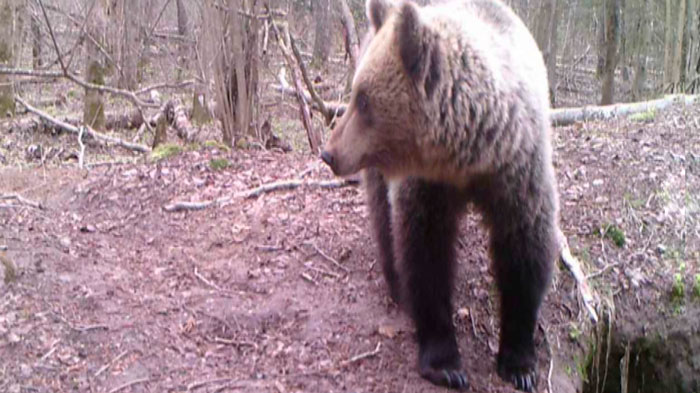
{"points": [[75, 130], [256, 192]]}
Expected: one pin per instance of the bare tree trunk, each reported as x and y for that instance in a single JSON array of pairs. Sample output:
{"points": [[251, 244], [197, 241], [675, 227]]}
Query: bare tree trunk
{"points": [[183, 32], [611, 43], [668, 45], [678, 60], [145, 16], [693, 44], [239, 71], [93, 110], [324, 33], [352, 42], [642, 46], [36, 41], [600, 38], [7, 36], [546, 36], [231, 46]]}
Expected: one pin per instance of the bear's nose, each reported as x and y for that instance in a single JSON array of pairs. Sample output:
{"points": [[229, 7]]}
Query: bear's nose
{"points": [[327, 158]]}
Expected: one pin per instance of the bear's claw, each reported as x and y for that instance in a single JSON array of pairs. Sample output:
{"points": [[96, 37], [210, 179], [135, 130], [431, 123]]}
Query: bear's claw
{"points": [[524, 380], [453, 379]]}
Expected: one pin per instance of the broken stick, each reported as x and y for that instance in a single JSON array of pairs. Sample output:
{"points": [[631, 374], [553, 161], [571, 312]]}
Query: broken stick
{"points": [[574, 267]]}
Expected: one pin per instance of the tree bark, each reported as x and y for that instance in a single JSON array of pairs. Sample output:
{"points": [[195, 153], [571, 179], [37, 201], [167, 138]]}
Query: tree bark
{"points": [[546, 36], [612, 25], [183, 31], [352, 42], [668, 45], [678, 59], [324, 32], [93, 110], [36, 41], [7, 36], [642, 46], [600, 38]]}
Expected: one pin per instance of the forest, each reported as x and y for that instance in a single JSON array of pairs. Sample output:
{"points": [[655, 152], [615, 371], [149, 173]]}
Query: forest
{"points": [[166, 223]]}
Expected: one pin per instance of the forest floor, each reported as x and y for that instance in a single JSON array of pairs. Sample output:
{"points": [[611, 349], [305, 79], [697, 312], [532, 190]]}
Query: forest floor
{"points": [[282, 292]]}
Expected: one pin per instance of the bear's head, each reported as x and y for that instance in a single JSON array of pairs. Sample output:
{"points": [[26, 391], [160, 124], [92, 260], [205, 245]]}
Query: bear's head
{"points": [[385, 125]]}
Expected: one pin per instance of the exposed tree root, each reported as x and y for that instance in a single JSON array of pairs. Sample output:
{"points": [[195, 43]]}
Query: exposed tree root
{"points": [[255, 192]]}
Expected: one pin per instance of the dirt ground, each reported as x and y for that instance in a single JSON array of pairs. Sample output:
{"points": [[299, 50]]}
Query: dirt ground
{"points": [[282, 293]]}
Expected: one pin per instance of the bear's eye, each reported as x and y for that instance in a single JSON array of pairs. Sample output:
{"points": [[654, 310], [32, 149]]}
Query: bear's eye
{"points": [[362, 102]]}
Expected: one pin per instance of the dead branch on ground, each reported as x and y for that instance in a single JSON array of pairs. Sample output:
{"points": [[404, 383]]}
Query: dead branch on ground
{"points": [[92, 133], [22, 200], [284, 185], [574, 267], [362, 356]]}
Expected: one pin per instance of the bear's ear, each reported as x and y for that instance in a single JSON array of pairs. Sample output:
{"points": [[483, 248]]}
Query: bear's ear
{"points": [[419, 54], [378, 12]]}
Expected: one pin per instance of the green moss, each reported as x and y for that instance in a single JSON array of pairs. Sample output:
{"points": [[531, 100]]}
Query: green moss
{"points": [[5, 53], [7, 101], [217, 145], [165, 151], [696, 287], [218, 164], [574, 332], [613, 233], [678, 288], [644, 117]]}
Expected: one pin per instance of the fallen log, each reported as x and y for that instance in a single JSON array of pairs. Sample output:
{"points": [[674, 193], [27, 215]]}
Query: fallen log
{"points": [[182, 123], [76, 130], [567, 116]]}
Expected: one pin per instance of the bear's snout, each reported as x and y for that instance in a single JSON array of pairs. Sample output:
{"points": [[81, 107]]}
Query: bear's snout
{"points": [[328, 159]]}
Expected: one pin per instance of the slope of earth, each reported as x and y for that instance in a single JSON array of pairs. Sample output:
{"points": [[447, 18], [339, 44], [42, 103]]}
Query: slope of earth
{"points": [[281, 292]]}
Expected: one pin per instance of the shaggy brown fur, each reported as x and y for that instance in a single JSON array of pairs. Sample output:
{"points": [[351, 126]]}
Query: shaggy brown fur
{"points": [[450, 105]]}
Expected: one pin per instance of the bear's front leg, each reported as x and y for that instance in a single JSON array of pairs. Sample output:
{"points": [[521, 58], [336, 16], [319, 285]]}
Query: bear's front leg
{"points": [[425, 226], [523, 244], [380, 216]]}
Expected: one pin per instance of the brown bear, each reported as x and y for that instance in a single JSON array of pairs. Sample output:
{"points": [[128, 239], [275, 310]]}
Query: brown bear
{"points": [[450, 106]]}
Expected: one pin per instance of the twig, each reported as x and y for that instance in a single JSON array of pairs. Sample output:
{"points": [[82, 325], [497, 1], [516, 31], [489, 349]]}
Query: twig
{"points": [[323, 271], [111, 363], [308, 278], [81, 154], [53, 349], [128, 384], [199, 384], [22, 200], [165, 86], [575, 268], [255, 192], [204, 280], [328, 257], [94, 134], [362, 356], [603, 270], [53, 37]]}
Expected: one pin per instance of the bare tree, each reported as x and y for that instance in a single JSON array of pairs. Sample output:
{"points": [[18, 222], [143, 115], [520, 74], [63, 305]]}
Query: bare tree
{"points": [[323, 38], [36, 40], [642, 45], [232, 49], [546, 36], [612, 25], [8, 13], [183, 30], [93, 110], [678, 59]]}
